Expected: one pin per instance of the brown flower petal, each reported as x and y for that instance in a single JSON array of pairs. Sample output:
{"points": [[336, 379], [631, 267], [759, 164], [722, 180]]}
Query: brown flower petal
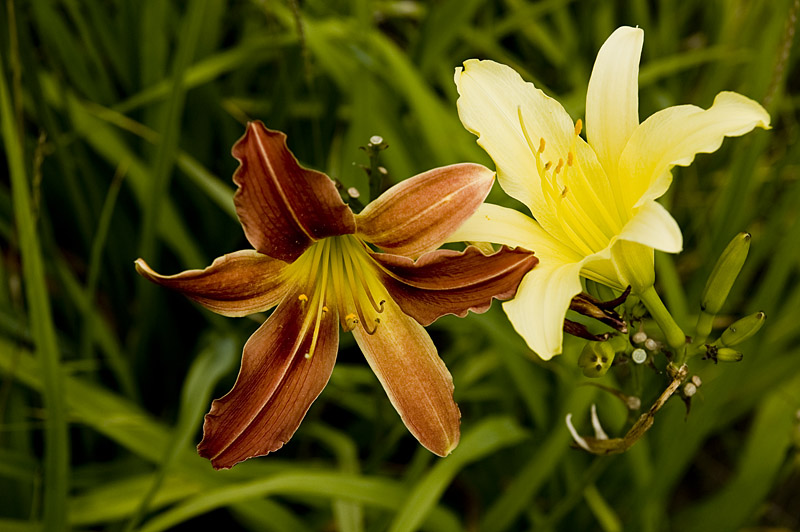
{"points": [[236, 284], [451, 282], [416, 380], [275, 387], [283, 207], [417, 214]]}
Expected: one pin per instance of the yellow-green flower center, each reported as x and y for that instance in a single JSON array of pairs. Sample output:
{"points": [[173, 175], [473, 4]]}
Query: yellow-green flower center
{"points": [[338, 273], [587, 220]]}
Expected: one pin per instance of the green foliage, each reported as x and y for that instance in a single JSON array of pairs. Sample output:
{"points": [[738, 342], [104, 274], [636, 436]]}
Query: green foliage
{"points": [[117, 124]]}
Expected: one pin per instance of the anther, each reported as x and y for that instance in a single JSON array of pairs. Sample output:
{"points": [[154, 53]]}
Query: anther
{"points": [[302, 298], [570, 159], [578, 127], [559, 166], [547, 165], [564, 192], [351, 320], [324, 309], [541, 145]]}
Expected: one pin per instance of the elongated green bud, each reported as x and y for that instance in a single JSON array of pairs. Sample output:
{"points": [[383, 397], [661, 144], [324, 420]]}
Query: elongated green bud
{"points": [[726, 354], [741, 330], [724, 274], [596, 358]]}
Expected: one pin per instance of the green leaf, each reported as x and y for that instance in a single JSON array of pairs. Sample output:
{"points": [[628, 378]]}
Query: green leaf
{"points": [[56, 464]]}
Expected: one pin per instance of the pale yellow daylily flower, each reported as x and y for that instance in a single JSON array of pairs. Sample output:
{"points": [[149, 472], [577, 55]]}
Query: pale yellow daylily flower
{"points": [[593, 202]]}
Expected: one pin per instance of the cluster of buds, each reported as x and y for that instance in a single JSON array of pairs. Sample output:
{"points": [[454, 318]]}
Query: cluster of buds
{"points": [[716, 291], [642, 346]]}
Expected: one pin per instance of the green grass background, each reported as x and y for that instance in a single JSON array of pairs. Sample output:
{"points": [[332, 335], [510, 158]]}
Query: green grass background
{"points": [[117, 121]]}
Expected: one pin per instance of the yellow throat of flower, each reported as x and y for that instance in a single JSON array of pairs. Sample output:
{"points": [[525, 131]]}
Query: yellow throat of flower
{"points": [[586, 221], [338, 273]]}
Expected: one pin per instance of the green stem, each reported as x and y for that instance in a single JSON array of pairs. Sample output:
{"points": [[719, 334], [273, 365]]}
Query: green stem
{"points": [[674, 334], [703, 328]]}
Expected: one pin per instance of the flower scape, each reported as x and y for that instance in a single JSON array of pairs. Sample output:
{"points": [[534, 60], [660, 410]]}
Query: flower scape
{"points": [[317, 262]]}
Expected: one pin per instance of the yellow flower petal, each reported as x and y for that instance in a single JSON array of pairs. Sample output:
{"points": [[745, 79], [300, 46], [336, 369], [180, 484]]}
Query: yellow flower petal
{"points": [[655, 227], [675, 135], [501, 225], [612, 100], [538, 310], [491, 97]]}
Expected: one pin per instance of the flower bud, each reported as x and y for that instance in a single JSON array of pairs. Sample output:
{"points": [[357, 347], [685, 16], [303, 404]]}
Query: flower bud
{"points": [[596, 358], [726, 354], [742, 329], [724, 274]]}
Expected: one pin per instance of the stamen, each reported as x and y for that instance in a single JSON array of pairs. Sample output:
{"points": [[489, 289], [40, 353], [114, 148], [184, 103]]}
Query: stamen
{"points": [[564, 192], [578, 127], [321, 293], [348, 266], [363, 280], [559, 166], [351, 320], [303, 299], [337, 255], [541, 145], [371, 332], [548, 164], [570, 158]]}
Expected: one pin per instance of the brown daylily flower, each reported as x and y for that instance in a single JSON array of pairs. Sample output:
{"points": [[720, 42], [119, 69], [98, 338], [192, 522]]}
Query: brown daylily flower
{"points": [[313, 261]]}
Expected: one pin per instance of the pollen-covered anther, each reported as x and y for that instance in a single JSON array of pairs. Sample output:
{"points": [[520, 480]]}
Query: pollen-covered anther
{"points": [[324, 309], [564, 192], [570, 159], [559, 166], [351, 320], [578, 127], [548, 164], [541, 145], [303, 299]]}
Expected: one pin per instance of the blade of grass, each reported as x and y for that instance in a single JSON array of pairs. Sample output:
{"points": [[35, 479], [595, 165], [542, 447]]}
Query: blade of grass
{"points": [[349, 515], [379, 493], [251, 53], [209, 367], [56, 465], [93, 274], [166, 149], [488, 437], [536, 471]]}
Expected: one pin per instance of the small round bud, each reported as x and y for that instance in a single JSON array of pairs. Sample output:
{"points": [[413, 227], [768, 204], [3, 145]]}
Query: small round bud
{"points": [[689, 389], [633, 402], [376, 139], [639, 338], [596, 358], [696, 380], [639, 355], [353, 192], [651, 345]]}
